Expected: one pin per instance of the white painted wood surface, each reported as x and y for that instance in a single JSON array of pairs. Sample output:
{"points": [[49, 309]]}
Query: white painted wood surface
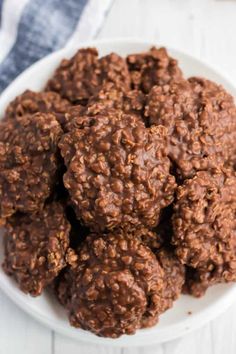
{"points": [[207, 29]]}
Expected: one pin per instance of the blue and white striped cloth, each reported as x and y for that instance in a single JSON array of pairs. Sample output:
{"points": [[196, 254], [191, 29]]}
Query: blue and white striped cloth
{"points": [[31, 29]]}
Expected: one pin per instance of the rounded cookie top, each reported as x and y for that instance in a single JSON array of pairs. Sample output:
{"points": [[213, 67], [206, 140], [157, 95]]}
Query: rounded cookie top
{"points": [[117, 171], [200, 118], [78, 78], [116, 287]]}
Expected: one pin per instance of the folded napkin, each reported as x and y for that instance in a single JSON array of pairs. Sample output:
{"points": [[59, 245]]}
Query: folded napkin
{"points": [[31, 29]]}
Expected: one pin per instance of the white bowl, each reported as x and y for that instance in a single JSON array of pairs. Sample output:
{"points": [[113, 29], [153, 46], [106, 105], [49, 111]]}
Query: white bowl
{"points": [[188, 313]]}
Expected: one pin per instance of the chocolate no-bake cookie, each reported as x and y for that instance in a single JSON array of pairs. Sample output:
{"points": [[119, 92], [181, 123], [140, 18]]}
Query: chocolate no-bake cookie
{"points": [[78, 78], [116, 287], [219, 115], [154, 67], [204, 222], [35, 247], [201, 121], [28, 162], [31, 102], [117, 171]]}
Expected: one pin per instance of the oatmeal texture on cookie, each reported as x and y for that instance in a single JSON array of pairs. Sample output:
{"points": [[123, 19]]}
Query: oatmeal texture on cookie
{"points": [[111, 96], [117, 171], [78, 78], [201, 120], [35, 247], [31, 102], [154, 67], [28, 162], [108, 97], [116, 287], [204, 222]]}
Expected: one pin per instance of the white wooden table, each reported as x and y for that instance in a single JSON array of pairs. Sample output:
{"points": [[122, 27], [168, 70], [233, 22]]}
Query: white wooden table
{"points": [[207, 29]]}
